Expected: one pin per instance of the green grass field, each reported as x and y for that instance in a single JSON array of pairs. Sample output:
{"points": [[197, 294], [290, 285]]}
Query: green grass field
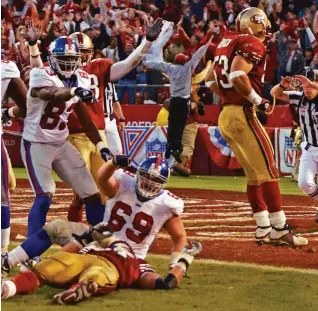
{"points": [[211, 285], [206, 182]]}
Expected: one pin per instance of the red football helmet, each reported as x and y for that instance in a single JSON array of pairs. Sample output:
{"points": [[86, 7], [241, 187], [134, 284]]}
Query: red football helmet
{"points": [[181, 59]]}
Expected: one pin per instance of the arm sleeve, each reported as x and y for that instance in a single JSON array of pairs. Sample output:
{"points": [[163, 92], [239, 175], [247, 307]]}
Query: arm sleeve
{"points": [[186, 42], [120, 69], [251, 48], [197, 57]]}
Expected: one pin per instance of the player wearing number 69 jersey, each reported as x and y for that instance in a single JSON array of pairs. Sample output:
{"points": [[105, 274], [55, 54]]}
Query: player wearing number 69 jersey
{"points": [[237, 76], [54, 92], [138, 209]]}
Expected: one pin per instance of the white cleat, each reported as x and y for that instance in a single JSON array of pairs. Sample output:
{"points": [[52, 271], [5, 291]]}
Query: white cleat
{"points": [[78, 292], [262, 235], [286, 236]]}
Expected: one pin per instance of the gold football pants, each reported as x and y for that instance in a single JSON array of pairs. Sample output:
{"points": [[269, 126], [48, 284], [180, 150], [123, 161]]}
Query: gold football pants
{"points": [[89, 152], [188, 139], [64, 268], [250, 143]]}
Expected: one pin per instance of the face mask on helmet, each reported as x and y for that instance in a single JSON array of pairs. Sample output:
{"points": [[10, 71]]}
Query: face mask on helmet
{"points": [[151, 179], [85, 46], [64, 57]]}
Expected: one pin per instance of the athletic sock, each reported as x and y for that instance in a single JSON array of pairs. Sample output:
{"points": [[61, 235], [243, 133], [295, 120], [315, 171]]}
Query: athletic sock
{"points": [[17, 256], [37, 243], [262, 219], [5, 227], [37, 215], [278, 219], [75, 213], [255, 198], [95, 212], [272, 196], [26, 282]]}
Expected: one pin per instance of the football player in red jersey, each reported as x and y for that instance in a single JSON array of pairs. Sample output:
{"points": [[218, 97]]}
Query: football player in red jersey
{"points": [[237, 75], [96, 263]]}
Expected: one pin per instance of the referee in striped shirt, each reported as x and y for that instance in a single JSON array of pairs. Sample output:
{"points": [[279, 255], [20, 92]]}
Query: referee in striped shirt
{"points": [[306, 103]]}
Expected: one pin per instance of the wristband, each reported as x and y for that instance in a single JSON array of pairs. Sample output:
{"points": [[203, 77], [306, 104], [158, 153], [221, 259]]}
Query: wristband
{"points": [[254, 98], [72, 91], [122, 119], [182, 265], [100, 145], [282, 87], [34, 50], [10, 112], [32, 43]]}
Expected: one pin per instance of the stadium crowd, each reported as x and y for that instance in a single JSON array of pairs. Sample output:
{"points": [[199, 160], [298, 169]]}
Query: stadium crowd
{"points": [[117, 26]]}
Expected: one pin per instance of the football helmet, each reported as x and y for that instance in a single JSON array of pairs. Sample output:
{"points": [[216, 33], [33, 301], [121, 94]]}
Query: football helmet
{"points": [[64, 57], [85, 46], [253, 21], [152, 176]]}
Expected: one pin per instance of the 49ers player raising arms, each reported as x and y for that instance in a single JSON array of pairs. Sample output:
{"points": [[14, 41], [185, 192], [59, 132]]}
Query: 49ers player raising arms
{"points": [[11, 86], [237, 75]]}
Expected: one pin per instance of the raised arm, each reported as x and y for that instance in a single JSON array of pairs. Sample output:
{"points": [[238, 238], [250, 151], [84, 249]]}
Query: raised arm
{"points": [[278, 90], [33, 35], [120, 69], [199, 54]]}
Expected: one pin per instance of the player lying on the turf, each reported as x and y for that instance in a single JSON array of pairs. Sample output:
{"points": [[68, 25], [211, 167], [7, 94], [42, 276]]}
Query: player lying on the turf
{"points": [[138, 209], [103, 264]]}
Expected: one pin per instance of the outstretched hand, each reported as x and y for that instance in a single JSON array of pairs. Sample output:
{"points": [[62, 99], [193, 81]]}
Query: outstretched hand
{"points": [[304, 81], [32, 33], [153, 30]]}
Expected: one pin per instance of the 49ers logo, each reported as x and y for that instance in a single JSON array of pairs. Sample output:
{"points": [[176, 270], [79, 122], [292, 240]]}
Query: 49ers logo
{"points": [[258, 19]]}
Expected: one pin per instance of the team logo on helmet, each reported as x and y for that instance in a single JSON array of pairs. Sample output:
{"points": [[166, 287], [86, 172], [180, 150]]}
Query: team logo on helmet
{"points": [[258, 19]]}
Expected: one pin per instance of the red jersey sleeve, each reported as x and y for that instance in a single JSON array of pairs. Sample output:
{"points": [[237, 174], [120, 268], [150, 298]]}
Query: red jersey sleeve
{"points": [[251, 48]]}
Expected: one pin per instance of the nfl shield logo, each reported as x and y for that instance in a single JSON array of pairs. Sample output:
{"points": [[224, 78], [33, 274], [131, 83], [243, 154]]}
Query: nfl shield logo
{"points": [[289, 152], [155, 148]]}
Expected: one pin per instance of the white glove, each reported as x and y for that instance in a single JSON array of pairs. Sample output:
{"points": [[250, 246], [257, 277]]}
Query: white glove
{"points": [[188, 254]]}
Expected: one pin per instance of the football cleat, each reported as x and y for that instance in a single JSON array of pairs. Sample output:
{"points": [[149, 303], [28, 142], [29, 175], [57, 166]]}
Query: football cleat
{"points": [[29, 264], [262, 235], [286, 236], [5, 268], [78, 292]]}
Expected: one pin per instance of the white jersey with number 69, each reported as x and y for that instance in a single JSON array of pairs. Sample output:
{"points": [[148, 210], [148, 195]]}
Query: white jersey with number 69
{"points": [[136, 222], [46, 121]]}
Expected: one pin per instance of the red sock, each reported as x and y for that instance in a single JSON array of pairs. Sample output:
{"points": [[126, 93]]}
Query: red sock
{"points": [[255, 197], [26, 282], [75, 213], [272, 196]]}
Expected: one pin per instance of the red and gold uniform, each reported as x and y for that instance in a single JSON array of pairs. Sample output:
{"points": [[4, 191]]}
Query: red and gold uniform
{"points": [[238, 121], [99, 71], [113, 267]]}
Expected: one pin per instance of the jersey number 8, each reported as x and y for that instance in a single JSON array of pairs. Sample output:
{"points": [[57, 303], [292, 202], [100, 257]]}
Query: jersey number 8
{"points": [[142, 223]]}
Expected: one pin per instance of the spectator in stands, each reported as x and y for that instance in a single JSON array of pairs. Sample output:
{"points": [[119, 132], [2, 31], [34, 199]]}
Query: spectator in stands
{"points": [[276, 16], [309, 56], [295, 60], [129, 80], [174, 48], [111, 52]]}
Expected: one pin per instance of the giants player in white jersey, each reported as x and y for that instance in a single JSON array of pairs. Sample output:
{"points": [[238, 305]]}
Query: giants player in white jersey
{"points": [[11, 86], [54, 92], [138, 209]]}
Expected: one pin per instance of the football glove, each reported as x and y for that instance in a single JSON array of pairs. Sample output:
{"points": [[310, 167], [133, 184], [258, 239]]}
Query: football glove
{"points": [[153, 31], [106, 154], [86, 95], [263, 106], [188, 254], [201, 109], [5, 116], [121, 160]]}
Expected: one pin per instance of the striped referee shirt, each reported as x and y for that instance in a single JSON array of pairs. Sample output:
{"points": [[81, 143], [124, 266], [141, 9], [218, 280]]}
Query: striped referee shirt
{"points": [[308, 115], [110, 99]]}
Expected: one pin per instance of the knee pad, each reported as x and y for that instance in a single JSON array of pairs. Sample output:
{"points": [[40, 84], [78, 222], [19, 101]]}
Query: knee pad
{"points": [[5, 217], [59, 231]]}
